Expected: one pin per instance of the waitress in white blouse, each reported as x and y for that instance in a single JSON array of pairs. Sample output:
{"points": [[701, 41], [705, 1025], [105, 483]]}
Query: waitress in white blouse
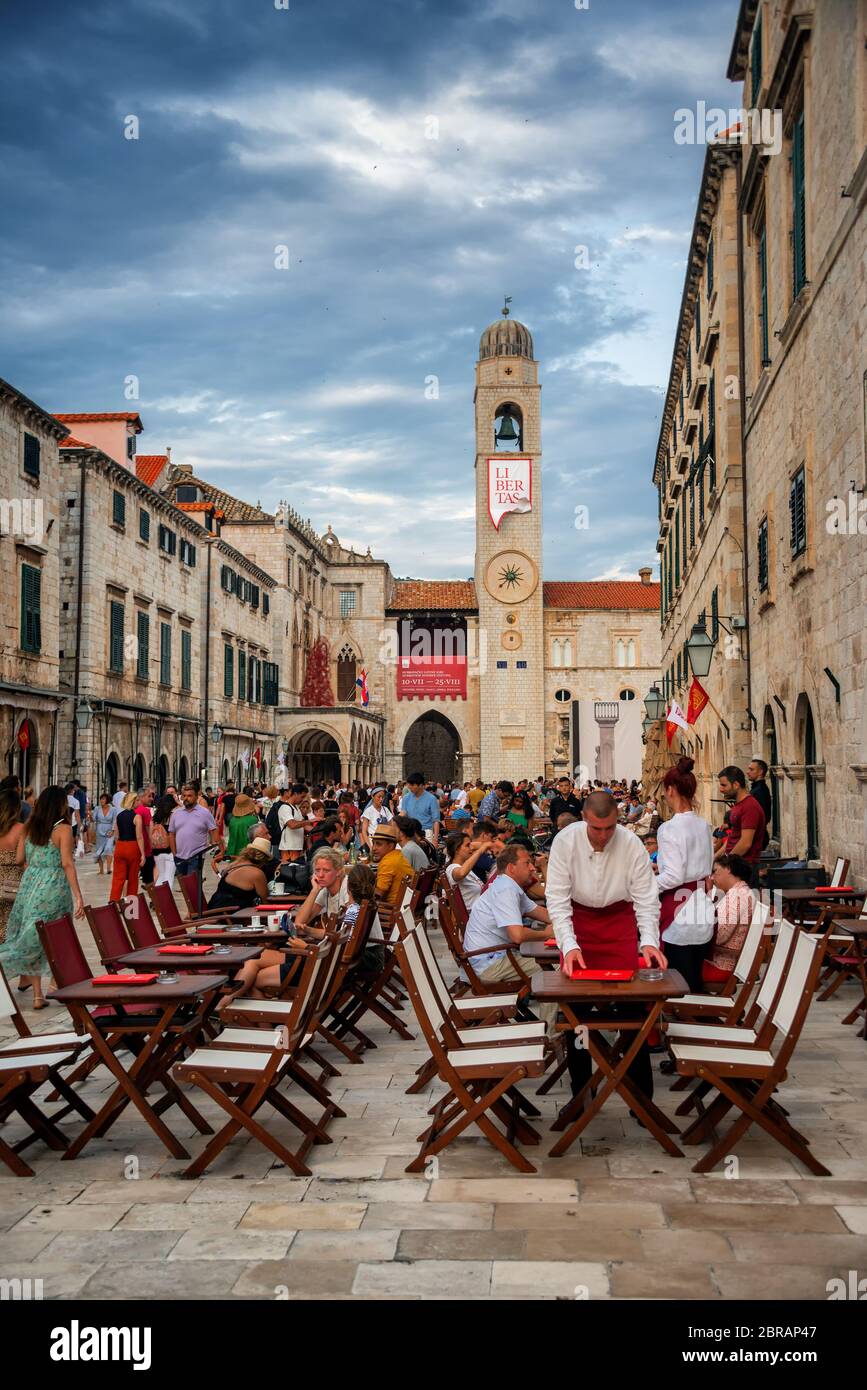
{"points": [[684, 861]]}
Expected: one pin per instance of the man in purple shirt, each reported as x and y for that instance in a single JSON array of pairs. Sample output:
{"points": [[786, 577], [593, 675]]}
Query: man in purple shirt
{"points": [[191, 829]]}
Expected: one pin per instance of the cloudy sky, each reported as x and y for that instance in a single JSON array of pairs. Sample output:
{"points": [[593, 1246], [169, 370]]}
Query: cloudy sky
{"points": [[420, 159]]}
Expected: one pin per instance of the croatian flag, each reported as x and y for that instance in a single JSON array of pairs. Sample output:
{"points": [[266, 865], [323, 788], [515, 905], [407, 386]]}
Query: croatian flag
{"points": [[361, 682]]}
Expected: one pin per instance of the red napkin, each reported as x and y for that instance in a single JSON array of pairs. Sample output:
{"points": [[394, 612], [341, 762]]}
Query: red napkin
{"points": [[841, 888], [123, 980], [577, 974], [200, 931], [185, 949], [552, 941]]}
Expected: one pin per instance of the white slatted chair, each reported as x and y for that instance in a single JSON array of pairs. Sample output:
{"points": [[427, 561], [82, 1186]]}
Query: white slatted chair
{"points": [[481, 1081], [758, 1023], [74, 1045], [20, 1076], [744, 975], [747, 1077], [841, 869], [241, 1076]]}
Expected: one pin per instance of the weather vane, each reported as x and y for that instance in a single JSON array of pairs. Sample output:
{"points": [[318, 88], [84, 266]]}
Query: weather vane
{"points": [[506, 304]]}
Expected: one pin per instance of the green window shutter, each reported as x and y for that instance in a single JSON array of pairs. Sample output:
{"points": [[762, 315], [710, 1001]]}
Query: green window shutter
{"points": [[228, 671], [143, 625], [700, 481], [756, 62], [689, 369], [763, 556], [798, 513], [186, 659], [711, 402], [677, 556], [710, 267], [698, 322], [242, 675], [763, 291], [799, 210], [31, 608], [165, 654], [714, 615], [266, 604], [31, 455], [115, 637], [144, 525], [691, 513], [118, 508], [270, 682]]}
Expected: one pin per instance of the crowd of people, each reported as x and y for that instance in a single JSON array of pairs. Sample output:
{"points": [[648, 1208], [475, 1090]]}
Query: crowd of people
{"points": [[599, 864]]}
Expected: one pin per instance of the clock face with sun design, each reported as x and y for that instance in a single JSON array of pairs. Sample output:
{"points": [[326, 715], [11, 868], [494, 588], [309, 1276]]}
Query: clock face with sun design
{"points": [[511, 577]]}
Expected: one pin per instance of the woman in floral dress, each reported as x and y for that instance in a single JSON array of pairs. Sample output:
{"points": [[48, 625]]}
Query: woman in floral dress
{"points": [[11, 835], [49, 888]]}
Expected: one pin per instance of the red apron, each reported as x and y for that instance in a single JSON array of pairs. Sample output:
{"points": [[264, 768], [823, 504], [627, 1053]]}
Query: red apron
{"points": [[671, 901], [608, 936]]}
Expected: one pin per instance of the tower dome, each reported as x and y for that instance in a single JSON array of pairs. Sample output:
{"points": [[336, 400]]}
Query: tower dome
{"points": [[506, 338]]}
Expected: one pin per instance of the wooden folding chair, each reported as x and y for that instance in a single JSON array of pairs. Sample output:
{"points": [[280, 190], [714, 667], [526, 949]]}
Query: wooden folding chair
{"points": [[72, 1044], [734, 1030], [192, 888], [481, 1080], [464, 1013], [123, 1025], [841, 965], [242, 1076], [109, 932], [139, 923], [163, 902], [841, 869], [464, 960], [21, 1076], [732, 1002], [747, 1077]]}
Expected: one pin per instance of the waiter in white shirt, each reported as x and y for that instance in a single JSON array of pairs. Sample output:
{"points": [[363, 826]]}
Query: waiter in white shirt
{"points": [[684, 862], [604, 907]]}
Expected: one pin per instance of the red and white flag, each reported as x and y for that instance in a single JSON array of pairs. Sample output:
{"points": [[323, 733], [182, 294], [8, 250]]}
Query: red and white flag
{"points": [[675, 719]]}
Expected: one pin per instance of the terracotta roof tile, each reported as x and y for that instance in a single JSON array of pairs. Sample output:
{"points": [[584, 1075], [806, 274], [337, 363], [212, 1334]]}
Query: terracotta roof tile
{"points": [[82, 417], [199, 507], [232, 508], [148, 467], [70, 443], [433, 593], [601, 593]]}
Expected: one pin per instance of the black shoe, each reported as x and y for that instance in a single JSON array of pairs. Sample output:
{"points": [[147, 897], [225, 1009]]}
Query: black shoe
{"points": [[668, 1067]]}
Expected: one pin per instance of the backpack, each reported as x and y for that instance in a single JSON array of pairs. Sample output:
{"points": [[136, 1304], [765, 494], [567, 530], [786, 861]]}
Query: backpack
{"points": [[272, 823]]}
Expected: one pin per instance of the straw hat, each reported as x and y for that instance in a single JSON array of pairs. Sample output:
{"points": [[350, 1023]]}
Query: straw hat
{"points": [[261, 844], [244, 806], [386, 832]]}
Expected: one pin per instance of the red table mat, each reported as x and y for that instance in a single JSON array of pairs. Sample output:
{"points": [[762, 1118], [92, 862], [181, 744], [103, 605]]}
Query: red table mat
{"points": [[123, 980]]}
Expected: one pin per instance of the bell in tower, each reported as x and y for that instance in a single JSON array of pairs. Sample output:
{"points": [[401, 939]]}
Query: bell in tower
{"points": [[508, 428]]}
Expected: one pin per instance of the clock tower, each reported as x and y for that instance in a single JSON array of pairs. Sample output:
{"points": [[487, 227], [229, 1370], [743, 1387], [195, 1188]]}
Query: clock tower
{"points": [[508, 570]]}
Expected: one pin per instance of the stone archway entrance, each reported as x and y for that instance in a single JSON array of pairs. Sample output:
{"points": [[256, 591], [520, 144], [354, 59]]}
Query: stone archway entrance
{"points": [[433, 746], [315, 756]]}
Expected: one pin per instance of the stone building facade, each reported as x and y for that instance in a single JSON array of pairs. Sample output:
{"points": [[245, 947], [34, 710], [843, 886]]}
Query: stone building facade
{"points": [[31, 517], [801, 277], [698, 475], [805, 327]]}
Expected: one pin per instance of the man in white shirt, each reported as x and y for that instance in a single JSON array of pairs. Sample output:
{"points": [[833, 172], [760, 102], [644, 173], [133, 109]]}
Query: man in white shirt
{"points": [[604, 907], [293, 823], [117, 799], [497, 921]]}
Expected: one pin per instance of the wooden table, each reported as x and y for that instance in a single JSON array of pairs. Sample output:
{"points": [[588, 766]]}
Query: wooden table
{"points": [[157, 958], [585, 1005], [798, 899], [152, 1063], [246, 914], [238, 934], [537, 950]]}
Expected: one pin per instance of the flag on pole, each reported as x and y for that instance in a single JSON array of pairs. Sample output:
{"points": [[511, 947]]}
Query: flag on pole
{"points": [[675, 719], [361, 682], [258, 757], [698, 698]]}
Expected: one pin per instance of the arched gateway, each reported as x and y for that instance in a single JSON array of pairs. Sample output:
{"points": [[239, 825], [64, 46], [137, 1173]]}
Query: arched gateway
{"points": [[433, 746]]}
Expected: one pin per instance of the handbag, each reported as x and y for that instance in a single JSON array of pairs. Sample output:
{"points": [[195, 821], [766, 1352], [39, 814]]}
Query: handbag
{"points": [[159, 837]]}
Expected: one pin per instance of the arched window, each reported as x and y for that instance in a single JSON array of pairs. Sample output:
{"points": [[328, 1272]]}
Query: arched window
{"points": [[567, 652], [346, 674], [626, 695], [621, 652], [555, 652], [630, 653]]}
